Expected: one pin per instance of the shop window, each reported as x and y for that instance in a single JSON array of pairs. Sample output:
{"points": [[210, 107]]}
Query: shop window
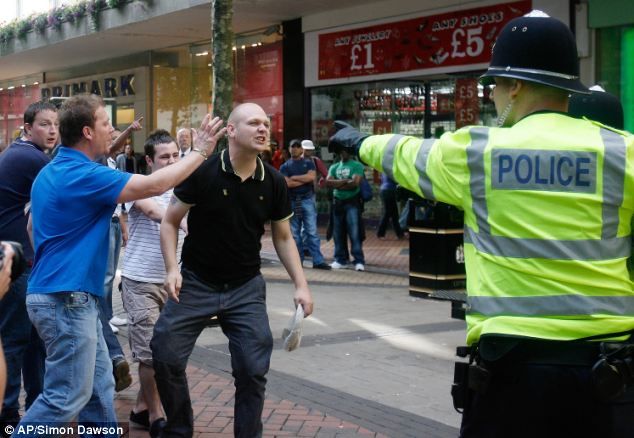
{"points": [[615, 67], [421, 108]]}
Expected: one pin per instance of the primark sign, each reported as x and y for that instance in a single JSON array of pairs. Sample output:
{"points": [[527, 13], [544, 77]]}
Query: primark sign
{"points": [[111, 86]]}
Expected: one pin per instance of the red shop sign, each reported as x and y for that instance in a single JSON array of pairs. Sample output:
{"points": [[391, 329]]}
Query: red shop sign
{"points": [[446, 40], [467, 105]]}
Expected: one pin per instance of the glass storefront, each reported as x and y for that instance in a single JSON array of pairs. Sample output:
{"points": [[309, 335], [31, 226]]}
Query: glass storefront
{"points": [[182, 83], [420, 107], [13, 103], [615, 66]]}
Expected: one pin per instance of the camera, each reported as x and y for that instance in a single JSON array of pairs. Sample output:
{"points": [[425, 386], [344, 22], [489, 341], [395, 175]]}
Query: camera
{"points": [[19, 262]]}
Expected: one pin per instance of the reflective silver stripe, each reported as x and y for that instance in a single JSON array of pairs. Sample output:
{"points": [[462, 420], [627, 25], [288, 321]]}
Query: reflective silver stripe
{"points": [[475, 161], [613, 181], [388, 156], [424, 182], [531, 70], [591, 249], [559, 305]]}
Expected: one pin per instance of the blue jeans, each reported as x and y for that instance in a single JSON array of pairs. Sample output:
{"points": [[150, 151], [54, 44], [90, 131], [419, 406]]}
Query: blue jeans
{"points": [[308, 218], [78, 382], [23, 349], [242, 314], [347, 219], [105, 301]]}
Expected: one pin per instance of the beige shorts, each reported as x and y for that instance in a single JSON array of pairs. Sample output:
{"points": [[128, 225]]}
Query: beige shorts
{"points": [[143, 303]]}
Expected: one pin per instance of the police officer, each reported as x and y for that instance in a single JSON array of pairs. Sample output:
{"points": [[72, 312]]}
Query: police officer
{"points": [[548, 200]]}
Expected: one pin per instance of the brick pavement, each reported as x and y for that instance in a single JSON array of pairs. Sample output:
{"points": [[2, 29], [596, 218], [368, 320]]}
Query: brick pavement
{"points": [[289, 413], [292, 408], [212, 402], [385, 256]]}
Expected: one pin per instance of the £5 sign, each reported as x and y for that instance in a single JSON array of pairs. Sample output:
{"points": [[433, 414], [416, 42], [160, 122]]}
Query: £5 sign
{"points": [[428, 42]]}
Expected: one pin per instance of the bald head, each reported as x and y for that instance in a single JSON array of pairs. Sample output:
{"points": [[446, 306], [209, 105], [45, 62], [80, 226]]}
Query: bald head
{"points": [[248, 127], [244, 111]]}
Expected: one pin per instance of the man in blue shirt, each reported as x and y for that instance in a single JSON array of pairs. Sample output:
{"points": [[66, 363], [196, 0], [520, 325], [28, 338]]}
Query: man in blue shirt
{"points": [[300, 176], [73, 199], [19, 165]]}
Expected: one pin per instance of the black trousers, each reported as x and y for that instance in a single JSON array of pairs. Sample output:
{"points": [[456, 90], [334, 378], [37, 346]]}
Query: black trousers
{"points": [[243, 319], [545, 401], [390, 212]]}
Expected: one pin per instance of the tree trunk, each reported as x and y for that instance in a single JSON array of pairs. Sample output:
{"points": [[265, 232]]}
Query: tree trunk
{"points": [[222, 60]]}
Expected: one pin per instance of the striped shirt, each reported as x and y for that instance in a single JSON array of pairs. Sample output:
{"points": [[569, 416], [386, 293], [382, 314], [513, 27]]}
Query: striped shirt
{"points": [[143, 260]]}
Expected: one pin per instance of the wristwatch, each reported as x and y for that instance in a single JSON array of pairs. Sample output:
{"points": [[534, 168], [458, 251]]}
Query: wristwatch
{"points": [[201, 152]]}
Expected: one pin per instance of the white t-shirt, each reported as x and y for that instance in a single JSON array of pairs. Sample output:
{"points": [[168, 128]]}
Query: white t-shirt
{"points": [[143, 260]]}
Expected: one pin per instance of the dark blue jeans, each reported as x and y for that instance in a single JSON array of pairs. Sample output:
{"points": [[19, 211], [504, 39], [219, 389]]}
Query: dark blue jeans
{"points": [[243, 318], [347, 216], [105, 301], [23, 349], [390, 212]]}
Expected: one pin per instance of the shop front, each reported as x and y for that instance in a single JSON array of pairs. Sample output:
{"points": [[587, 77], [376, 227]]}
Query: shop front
{"points": [[416, 76], [124, 91], [614, 24]]}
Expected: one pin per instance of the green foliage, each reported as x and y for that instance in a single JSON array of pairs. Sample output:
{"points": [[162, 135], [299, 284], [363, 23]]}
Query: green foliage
{"points": [[55, 18], [40, 22], [22, 27], [7, 32]]}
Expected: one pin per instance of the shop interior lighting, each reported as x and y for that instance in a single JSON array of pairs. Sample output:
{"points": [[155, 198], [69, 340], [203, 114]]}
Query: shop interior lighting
{"points": [[243, 47], [234, 48], [1, 88], [209, 65], [10, 87], [23, 85], [36, 83], [202, 54]]}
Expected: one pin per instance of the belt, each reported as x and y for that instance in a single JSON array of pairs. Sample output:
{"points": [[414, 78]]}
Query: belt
{"points": [[115, 219], [500, 350]]}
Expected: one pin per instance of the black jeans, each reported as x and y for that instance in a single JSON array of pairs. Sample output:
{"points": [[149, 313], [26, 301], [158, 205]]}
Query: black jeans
{"points": [[390, 211], [243, 318]]}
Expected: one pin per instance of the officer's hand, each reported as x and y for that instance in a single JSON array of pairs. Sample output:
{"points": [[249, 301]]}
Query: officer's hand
{"points": [[173, 282], [346, 138]]}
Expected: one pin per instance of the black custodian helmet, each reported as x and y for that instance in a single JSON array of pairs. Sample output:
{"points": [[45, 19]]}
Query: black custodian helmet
{"points": [[536, 48], [599, 105]]}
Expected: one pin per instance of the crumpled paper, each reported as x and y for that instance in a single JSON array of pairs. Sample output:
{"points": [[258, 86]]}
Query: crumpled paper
{"points": [[292, 333]]}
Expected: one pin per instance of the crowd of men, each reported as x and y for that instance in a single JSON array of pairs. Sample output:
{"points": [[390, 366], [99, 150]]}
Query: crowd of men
{"points": [[550, 305]]}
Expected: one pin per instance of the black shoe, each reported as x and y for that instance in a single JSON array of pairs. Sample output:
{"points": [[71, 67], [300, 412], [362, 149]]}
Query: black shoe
{"points": [[122, 376], [324, 266], [142, 418], [157, 427]]}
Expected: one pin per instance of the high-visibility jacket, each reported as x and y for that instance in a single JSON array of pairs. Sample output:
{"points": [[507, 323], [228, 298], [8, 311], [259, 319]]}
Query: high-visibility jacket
{"points": [[547, 205]]}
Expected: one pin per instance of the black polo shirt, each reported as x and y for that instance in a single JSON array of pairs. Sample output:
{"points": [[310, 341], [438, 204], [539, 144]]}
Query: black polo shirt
{"points": [[226, 223]]}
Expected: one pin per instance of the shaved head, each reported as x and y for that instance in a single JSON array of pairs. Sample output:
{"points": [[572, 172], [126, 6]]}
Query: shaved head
{"points": [[243, 111]]}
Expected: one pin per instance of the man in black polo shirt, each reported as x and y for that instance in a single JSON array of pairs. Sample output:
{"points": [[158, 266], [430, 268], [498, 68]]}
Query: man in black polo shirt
{"points": [[229, 198]]}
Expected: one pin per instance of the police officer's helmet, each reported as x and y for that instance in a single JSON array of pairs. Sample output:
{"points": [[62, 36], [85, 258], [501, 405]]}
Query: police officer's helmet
{"points": [[599, 105], [536, 48]]}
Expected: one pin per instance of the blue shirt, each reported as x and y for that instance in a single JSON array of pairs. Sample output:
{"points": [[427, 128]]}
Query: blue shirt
{"points": [[298, 167], [19, 165], [73, 201]]}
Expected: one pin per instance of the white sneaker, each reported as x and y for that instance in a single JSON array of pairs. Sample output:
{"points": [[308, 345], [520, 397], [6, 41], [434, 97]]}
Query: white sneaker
{"points": [[336, 265], [114, 328], [115, 320], [359, 267]]}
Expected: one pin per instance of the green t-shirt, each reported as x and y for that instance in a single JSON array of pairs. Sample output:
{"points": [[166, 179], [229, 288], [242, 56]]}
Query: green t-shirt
{"points": [[345, 170]]}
